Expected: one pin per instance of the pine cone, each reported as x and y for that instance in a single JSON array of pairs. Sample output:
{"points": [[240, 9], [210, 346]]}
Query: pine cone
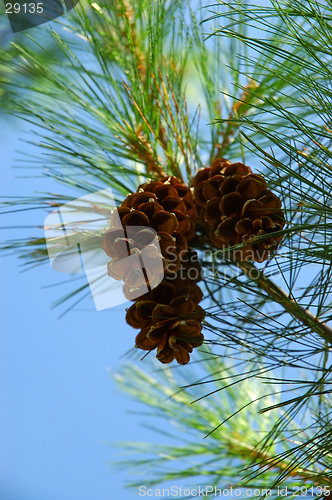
{"points": [[169, 315], [236, 206], [167, 210]]}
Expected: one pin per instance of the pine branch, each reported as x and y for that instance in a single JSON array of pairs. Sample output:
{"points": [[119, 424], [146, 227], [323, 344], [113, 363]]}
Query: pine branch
{"points": [[140, 92], [290, 304], [237, 438]]}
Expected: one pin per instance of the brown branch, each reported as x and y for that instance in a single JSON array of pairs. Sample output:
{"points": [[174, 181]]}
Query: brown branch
{"points": [[262, 458], [290, 304], [239, 108]]}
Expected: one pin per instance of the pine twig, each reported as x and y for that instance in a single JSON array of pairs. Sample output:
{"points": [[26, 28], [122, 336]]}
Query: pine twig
{"points": [[290, 305]]}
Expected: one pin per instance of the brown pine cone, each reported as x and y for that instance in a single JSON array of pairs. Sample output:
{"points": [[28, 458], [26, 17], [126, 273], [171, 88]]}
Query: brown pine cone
{"points": [[236, 206], [169, 316], [166, 209], [173, 197]]}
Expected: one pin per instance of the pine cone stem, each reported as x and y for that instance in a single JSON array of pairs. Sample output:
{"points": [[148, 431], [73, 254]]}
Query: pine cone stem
{"points": [[290, 305]]}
